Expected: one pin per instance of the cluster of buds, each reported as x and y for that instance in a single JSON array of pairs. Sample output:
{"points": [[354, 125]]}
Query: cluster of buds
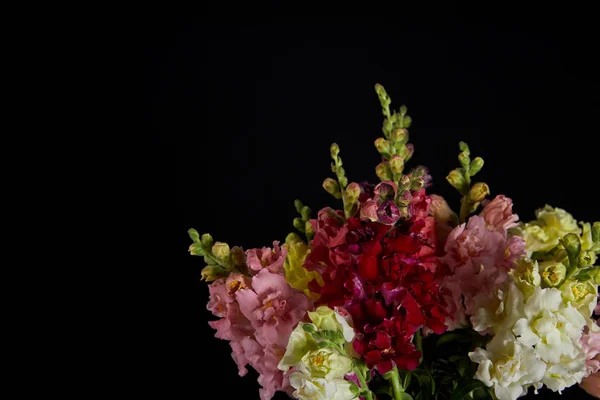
{"points": [[460, 178], [302, 223], [394, 147], [580, 252], [340, 188], [219, 258]]}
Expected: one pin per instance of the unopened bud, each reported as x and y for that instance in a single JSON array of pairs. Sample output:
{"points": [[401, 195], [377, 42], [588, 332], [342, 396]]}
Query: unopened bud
{"points": [[456, 179], [238, 257], [212, 272], [383, 172], [396, 164], [299, 224], [352, 192], [403, 110], [586, 259], [407, 122], [335, 150], [195, 249], [194, 235], [596, 232], [464, 160], [476, 166], [418, 172], [572, 245], [404, 181], [298, 204], [383, 146], [207, 241], [221, 250], [464, 147], [400, 136], [305, 212], [410, 149], [404, 198], [417, 184], [552, 273], [332, 187], [308, 229], [478, 192]]}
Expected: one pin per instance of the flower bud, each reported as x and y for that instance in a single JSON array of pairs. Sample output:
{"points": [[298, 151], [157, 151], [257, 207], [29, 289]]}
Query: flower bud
{"points": [[478, 192], [194, 235], [456, 179], [221, 250], [464, 160], [400, 136], [476, 166], [464, 148], [388, 213], [299, 224], [596, 232], [207, 241], [383, 146], [334, 150], [407, 122], [572, 245], [396, 164], [409, 149], [552, 273], [305, 212], [292, 238], [418, 172], [332, 187], [441, 211], [212, 272], [298, 204], [352, 192], [238, 256], [404, 198], [383, 172], [308, 229], [403, 110], [195, 249], [404, 181], [417, 184], [586, 259]]}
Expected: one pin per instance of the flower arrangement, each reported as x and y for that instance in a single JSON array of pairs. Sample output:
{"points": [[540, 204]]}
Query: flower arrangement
{"points": [[394, 295]]}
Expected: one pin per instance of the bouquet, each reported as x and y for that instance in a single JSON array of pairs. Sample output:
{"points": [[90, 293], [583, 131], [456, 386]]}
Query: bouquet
{"points": [[390, 293]]}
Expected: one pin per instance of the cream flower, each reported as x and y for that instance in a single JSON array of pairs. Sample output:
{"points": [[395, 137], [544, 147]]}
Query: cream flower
{"points": [[581, 295], [308, 388], [325, 363], [550, 226]]}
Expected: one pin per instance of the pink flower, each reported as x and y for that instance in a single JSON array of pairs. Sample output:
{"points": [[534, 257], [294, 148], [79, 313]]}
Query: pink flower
{"points": [[273, 307], [590, 342], [498, 213], [480, 258], [271, 259], [369, 210], [445, 218]]}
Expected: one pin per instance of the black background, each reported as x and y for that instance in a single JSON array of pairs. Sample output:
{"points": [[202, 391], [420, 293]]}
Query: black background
{"points": [[252, 110]]}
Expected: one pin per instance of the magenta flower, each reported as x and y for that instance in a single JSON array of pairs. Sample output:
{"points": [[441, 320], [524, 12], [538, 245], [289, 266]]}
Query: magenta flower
{"points": [[271, 259], [273, 307], [498, 213]]}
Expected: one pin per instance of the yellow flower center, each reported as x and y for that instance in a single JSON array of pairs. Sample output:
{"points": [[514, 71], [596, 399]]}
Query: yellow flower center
{"points": [[318, 360], [234, 286], [578, 291]]}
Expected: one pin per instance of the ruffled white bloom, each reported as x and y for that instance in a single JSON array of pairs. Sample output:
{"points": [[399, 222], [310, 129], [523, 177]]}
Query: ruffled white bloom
{"points": [[582, 295], [299, 343], [509, 366], [325, 318], [503, 310], [325, 363], [309, 388]]}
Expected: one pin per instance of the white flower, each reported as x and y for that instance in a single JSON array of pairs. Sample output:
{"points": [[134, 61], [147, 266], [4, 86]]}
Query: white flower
{"points": [[493, 313], [308, 388], [566, 374], [325, 363], [553, 329], [299, 343], [582, 295], [508, 365]]}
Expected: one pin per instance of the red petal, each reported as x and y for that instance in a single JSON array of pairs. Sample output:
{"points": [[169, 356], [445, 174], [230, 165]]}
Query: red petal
{"points": [[368, 268]]}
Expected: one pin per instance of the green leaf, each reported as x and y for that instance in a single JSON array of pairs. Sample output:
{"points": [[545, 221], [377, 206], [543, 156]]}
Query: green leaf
{"points": [[405, 396], [464, 388]]}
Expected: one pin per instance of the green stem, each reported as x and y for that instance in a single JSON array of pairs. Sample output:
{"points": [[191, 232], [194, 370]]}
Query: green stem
{"points": [[396, 387], [214, 259], [419, 343], [464, 209], [363, 384]]}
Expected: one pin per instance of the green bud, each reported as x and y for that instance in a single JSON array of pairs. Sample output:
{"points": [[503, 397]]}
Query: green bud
{"points": [[310, 328], [212, 272], [221, 250], [335, 150], [586, 259], [464, 160], [195, 249], [333, 168], [417, 184], [596, 232], [456, 179], [207, 241], [404, 181], [383, 146], [464, 147], [308, 230], [343, 181], [400, 136], [552, 273], [298, 204], [238, 257], [403, 110], [194, 235], [406, 122], [572, 245], [292, 238], [299, 224], [332, 187], [305, 212], [418, 172], [476, 166], [383, 172], [352, 192], [478, 192], [396, 164]]}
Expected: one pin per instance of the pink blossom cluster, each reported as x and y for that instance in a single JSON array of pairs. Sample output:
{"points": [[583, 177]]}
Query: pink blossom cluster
{"points": [[479, 255], [257, 315]]}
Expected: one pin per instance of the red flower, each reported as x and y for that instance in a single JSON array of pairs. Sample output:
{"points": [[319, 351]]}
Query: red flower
{"points": [[386, 277]]}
